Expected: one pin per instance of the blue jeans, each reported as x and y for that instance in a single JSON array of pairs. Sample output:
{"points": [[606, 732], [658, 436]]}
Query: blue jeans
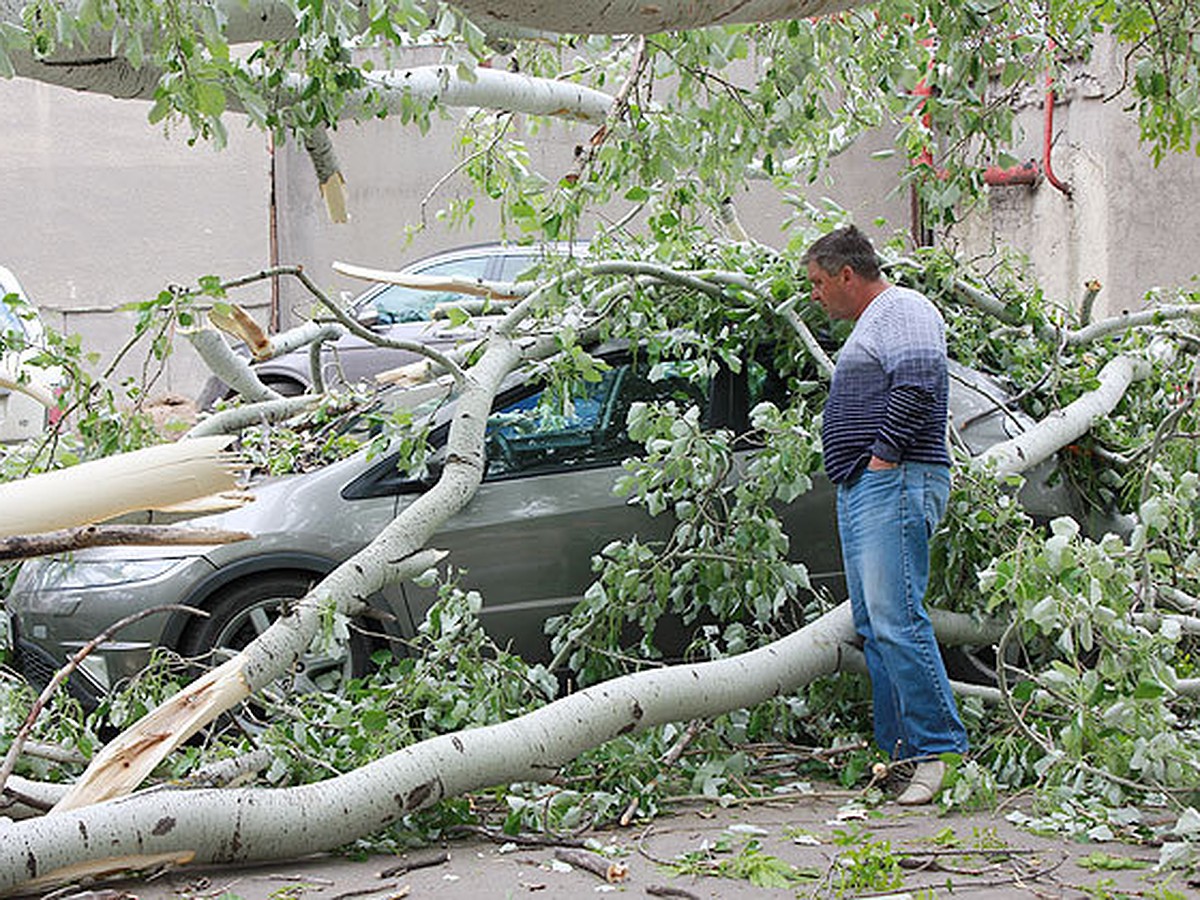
{"points": [[885, 520]]}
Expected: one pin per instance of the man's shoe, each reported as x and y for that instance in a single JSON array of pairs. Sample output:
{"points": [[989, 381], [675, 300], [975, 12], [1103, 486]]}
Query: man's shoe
{"points": [[926, 782]]}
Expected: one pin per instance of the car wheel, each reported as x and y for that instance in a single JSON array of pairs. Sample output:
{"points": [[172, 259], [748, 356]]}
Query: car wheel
{"points": [[242, 611]]}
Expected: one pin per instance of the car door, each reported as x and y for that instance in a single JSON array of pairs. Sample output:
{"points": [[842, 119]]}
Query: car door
{"points": [[546, 507]]}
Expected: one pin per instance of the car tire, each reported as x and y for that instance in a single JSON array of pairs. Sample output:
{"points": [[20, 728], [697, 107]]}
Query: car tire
{"points": [[243, 610]]}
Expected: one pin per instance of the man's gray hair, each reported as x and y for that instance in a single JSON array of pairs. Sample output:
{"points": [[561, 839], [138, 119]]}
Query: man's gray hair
{"points": [[845, 247]]}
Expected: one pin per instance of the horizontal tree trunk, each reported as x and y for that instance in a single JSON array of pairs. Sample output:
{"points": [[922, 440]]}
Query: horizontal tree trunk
{"points": [[240, 825], [263, 823]]}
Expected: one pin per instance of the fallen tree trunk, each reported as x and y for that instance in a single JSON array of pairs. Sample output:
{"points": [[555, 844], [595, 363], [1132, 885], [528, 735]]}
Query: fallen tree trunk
{"points": [[244, 824], [67, 540], [1061, 427], [263, 823]]}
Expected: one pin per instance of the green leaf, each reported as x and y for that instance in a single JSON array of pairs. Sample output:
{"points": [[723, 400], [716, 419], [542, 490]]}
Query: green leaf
{"points": [[1148, 690]]}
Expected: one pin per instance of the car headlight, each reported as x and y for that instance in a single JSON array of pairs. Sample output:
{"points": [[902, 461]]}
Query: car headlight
{"points": [[81, 574]]}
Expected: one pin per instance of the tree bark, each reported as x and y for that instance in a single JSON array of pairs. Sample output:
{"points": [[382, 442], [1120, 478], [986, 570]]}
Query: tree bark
{"points": [[67, 540], [262, 824], [639, 17], [240, 825], [1063, 426]]}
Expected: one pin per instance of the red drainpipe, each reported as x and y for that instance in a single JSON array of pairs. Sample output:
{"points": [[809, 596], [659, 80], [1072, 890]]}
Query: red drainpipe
{"points": [[1048, 134], [1029, 172], [1024, 173]]}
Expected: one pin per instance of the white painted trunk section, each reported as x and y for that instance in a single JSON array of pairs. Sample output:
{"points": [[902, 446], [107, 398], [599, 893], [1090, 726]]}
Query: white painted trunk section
{"points": [[261, 824], [641, 17]]}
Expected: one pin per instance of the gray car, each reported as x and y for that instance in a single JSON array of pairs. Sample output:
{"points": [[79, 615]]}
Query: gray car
{"points": [[397, 313], [526, 540]]}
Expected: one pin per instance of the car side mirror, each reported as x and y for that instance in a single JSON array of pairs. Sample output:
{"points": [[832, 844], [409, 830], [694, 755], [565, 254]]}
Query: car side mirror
{"points": [[371, 318]]}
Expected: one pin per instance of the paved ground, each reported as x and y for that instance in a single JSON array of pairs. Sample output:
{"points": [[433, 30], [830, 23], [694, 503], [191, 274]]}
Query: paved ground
{"points": [[833, 846]]}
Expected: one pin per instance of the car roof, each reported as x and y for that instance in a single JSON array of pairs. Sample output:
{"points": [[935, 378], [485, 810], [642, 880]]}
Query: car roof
{"points": [[496, 248]]}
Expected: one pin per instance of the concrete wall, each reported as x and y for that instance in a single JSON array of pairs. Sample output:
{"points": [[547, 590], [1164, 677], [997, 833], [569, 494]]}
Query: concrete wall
{"points": [[1125, 223], [99, 209]]}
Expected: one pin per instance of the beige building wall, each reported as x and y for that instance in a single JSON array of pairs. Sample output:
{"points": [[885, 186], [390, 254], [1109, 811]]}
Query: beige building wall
{"points": [[98, 209]]}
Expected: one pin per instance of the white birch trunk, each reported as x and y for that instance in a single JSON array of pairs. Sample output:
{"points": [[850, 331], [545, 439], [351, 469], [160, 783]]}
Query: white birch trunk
{"points": [[640, 17], [262, 824]]}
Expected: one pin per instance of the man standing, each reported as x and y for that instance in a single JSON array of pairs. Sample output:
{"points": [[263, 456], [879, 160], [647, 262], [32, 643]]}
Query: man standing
{"points": [[884, 440]]}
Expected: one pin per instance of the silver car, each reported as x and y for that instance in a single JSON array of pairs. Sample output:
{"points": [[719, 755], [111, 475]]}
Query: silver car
{"points": [[398, 313], [526, 540]]}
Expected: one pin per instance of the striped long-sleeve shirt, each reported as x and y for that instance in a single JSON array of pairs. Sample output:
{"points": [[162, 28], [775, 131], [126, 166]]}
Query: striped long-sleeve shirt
{"points": [[889, 391]]}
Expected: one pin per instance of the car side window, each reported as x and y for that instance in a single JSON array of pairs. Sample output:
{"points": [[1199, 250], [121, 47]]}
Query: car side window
{"points": [[396, 304], [535, 435], [514, 266]]}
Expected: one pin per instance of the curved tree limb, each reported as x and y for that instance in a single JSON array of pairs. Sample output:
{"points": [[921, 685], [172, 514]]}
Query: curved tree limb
{"points": [[232, 369], [244, 824], [396, 552], [1061, 427]]}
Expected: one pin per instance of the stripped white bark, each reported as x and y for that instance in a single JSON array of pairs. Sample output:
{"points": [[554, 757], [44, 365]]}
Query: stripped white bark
{"points": [[105, 488], [1128, 321], [295, 338], [492, 89]]}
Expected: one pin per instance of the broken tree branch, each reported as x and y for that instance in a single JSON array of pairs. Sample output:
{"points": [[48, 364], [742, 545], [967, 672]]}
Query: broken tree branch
{"points": [[70, 539]]}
